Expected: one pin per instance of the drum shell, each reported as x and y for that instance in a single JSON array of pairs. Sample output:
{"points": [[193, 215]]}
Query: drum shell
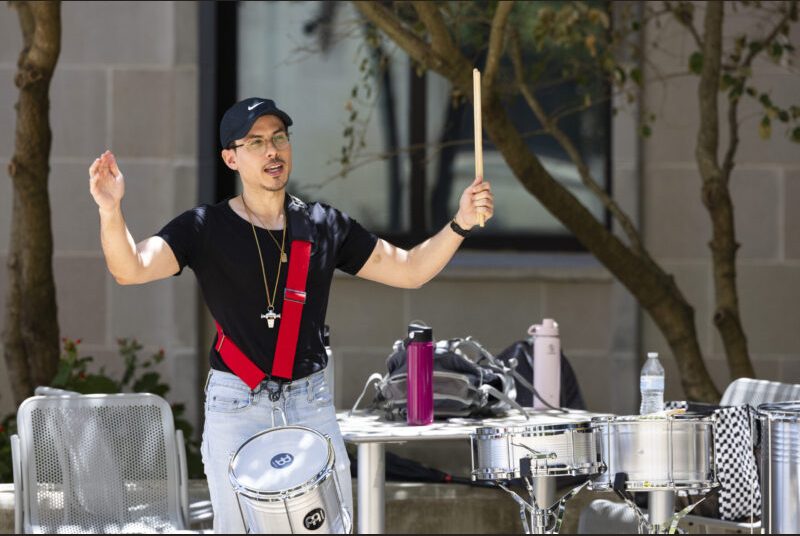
{"points": [[780, 467], [282, 511], [657, 454], [496, 451], [276, 514]]}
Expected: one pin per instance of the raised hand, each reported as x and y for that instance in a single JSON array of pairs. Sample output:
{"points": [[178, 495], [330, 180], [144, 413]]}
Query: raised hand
{"points": [[476, 199], [106, 183]]}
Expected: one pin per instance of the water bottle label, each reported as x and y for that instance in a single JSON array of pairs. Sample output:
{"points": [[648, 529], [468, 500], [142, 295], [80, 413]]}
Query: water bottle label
{"points": [[651, 383]]}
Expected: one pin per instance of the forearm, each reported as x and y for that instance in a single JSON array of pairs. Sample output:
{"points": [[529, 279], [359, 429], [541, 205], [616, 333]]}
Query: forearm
{"points": [[427, 259], [119, 247]]}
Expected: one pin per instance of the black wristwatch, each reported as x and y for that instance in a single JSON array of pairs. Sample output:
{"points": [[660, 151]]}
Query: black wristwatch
{"points": [[458, 229]]}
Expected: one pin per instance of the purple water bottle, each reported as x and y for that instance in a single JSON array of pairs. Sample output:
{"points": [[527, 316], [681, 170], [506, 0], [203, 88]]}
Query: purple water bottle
{"points": [[420, 375]]}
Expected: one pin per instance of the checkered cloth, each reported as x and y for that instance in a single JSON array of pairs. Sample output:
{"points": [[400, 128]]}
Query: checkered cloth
{"points": [[735, 460]]}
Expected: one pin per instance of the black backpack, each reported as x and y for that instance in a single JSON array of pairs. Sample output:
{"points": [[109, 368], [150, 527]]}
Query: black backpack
{"points": [[521, 353], [468, 381]]}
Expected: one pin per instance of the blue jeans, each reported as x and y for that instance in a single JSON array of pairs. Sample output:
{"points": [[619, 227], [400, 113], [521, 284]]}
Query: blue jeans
{"points": [[234, 413]]}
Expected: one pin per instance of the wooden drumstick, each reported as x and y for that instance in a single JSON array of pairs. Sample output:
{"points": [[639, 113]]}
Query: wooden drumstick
{"points": [[476, 104]]}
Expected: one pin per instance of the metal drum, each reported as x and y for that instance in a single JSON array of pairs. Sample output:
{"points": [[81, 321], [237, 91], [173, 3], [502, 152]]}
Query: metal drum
{"points": [[673, 452], [553, 448], [285, 482], [780, 467]]}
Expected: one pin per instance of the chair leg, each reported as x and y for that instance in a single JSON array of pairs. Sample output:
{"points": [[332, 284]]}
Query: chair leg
{"points": [[16, 464], [183, 475]]}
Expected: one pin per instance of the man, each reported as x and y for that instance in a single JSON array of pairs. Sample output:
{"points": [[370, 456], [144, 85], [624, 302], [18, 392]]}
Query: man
{"points": [[268, 354]]}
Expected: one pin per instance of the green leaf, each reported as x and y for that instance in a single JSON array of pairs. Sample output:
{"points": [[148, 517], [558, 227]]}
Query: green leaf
{"points": [[783, 115], [776, 50], [636, 75], [94, 383], [645, 131], [62, 376], [765, 128], [726, 82], [619, 72], [150, 383], [765, 100], [696, 62], [796, 135]]}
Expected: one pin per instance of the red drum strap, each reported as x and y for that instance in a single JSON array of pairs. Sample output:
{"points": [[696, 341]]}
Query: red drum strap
{"points": [[294, 297]]}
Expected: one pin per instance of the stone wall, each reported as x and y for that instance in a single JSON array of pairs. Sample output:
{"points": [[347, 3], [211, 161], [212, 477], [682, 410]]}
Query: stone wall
{"points": [[126, 80]]}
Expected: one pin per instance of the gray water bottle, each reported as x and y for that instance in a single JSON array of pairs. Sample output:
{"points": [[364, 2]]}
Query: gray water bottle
{"points": [[651, 385]]}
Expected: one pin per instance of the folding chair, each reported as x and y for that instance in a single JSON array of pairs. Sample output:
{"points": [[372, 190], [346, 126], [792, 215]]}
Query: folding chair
{"points": [[98, 464]]}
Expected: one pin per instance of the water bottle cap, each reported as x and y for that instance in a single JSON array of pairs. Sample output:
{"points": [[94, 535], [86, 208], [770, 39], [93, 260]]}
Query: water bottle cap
{"points": [[419, 333], [548, 328], [652, 354]]}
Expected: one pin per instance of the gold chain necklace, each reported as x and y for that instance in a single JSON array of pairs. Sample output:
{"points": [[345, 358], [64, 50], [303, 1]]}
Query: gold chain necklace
{"points": [[280, 246], [270, 316]]}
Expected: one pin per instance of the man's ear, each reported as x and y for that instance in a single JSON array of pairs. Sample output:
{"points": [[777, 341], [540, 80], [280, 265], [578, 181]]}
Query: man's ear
{"points": [[229, 157]]}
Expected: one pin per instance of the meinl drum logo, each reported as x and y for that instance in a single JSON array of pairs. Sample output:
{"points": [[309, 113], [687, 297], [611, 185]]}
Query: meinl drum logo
{"points": [[279, 461], [314, 519]]}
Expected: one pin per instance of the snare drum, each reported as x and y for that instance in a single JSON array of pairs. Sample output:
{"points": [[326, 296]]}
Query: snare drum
{"points": [[285, 482], [554, 449], [657, 453]]}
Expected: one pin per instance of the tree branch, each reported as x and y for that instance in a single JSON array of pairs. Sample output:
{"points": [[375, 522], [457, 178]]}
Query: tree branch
{"points": [[687, 23], [453, 64], [387, 21], [429, 15], [496, 39], [553, 129], [708, 134], [733, 104]]}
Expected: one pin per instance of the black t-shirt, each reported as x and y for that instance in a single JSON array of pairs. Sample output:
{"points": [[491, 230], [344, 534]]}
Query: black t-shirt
{"points": [[218, 245]]}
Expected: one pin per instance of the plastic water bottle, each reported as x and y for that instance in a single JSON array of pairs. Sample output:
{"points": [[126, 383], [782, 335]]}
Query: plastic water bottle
{"points": [[330, 370], [651, 384], [546, 364], [420, 375]]}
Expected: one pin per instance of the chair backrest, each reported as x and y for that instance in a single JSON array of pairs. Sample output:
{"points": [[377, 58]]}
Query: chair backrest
{"points": [[99, 463], [755, 392]]}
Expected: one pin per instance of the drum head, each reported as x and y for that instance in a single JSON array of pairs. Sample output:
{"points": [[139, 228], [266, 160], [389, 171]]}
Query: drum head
{"points": [[280, 459]]}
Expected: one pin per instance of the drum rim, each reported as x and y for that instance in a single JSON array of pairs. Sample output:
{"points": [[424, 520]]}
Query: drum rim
{"points": [[654, 485], [286, 493], [788, 410], [585, 469], [644, 419], [546, 429]]}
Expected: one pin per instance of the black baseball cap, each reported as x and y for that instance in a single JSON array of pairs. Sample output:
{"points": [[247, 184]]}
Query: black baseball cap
{"points": [[239, 118]]}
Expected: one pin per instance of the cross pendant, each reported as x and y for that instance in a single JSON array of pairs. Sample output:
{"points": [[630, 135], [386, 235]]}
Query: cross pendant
{"points": [[284, 258], [270, 317]]}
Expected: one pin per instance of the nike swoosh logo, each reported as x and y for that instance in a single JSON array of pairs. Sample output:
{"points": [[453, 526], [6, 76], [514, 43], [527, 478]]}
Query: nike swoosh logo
{"points": [[250, 108]]}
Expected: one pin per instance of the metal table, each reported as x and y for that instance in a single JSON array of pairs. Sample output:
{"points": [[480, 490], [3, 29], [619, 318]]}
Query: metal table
{"points": [[370, 433]]}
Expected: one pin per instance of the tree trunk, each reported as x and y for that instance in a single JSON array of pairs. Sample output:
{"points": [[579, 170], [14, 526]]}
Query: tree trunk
{"points": [[655, 290], [717, 199], [31, 338]]}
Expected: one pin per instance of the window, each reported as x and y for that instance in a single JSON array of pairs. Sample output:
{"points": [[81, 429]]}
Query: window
{"points": [[310, 58]]}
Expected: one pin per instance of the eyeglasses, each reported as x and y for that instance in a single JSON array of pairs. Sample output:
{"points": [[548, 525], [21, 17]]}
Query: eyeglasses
{"points": [[259, 145]]}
